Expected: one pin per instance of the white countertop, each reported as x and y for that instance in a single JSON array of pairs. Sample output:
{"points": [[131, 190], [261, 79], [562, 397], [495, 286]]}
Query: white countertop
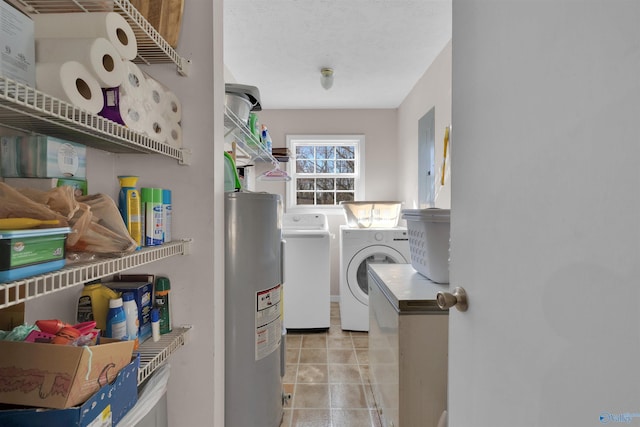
{"points": [[406, 289]]}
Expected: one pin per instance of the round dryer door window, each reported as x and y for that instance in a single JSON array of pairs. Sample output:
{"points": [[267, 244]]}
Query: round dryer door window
{"points": [[357, 277]]}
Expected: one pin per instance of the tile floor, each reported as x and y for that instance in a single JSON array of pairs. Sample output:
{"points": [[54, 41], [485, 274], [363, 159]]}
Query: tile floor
{"points": [[327, 374]]}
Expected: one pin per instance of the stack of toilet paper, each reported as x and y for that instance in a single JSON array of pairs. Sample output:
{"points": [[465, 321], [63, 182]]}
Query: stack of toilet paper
{"points": [[144, 105], [85, 59], [78, 54]]}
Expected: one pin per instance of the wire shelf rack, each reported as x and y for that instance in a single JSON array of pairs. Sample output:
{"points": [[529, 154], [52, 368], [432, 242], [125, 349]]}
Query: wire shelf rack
{"points": [[154, 354], [152, 47], [19, 291]]}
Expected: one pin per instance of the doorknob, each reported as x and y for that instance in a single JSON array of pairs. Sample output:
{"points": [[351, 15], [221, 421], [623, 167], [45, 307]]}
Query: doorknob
{"points": [[457, 299]]}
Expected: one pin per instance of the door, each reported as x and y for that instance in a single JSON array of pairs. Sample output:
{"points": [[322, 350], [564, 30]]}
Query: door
{"points": [[545, 223]]}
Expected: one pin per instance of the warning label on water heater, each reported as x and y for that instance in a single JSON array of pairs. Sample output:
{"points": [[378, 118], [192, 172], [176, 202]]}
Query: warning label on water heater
{"points": [[268, 321]]}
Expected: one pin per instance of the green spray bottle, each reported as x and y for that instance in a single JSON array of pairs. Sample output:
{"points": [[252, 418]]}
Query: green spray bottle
{"points": [[161, 293]]}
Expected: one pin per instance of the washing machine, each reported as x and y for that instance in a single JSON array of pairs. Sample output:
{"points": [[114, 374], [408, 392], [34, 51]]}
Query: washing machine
{"points": [[307, 271], [360, 247]]}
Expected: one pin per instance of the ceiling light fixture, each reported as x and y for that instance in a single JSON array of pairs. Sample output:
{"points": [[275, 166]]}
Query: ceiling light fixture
{"points": [[326, 80]]}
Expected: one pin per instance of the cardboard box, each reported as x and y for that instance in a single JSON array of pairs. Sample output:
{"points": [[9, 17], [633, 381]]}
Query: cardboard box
{"points": [[104, 409], [40, 156], [58, 376], [143, 293], [17, 45]]}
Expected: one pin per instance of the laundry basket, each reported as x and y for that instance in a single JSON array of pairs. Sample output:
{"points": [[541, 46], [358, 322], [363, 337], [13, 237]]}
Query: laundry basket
{"points": [[429, 242], [367, 214]]}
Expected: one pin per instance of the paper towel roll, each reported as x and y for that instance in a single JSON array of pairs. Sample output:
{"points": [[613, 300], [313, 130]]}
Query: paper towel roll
{"points": [[109, 25], [97, 54], [173, 107], [71, 82], [174, 134]]}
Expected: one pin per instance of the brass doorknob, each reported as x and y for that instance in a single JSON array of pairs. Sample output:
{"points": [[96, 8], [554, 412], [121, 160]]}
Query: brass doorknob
{"points": [[457, 299]]}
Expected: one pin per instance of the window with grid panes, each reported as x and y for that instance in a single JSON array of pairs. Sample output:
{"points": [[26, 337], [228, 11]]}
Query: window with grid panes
{"points": [[325, 170]]}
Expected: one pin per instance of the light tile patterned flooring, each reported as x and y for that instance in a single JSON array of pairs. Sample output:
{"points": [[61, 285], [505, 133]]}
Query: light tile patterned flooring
{"points": [[327, 374]]}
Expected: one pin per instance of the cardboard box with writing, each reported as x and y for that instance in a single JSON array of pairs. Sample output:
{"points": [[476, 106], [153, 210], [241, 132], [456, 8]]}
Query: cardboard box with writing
{"points": [[58, 376], [105, 408]]}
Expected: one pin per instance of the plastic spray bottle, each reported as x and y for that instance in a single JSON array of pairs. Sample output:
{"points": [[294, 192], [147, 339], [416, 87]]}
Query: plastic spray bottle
{"points": [[266, 139], [129, 206], [253, 128], [162, 288], [153, 216], [166, 214], [116, 320], [131, 314]]}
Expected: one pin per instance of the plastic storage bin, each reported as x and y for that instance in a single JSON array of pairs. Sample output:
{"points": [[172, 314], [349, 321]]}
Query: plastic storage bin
{"points": [[26, 253], [429, 231], [372, 214]]}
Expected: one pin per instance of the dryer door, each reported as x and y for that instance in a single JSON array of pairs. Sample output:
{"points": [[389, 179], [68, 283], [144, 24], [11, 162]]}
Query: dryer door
{"points": [[357, 278]]}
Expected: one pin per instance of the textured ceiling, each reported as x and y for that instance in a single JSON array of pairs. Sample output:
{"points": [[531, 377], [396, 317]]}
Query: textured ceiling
{"points": [[377, 48]]}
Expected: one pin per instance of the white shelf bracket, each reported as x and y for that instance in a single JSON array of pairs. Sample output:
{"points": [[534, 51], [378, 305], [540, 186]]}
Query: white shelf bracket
{"points": [[184, 69], [187, 246], [185, 157]]}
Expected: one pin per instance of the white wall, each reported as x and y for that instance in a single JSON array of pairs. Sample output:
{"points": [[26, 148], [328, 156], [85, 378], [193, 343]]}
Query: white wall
{"points": [[432, 90], [380, 130]]}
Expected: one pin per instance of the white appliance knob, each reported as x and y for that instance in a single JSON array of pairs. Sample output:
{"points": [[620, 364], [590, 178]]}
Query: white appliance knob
{"points": [[378, 236]]}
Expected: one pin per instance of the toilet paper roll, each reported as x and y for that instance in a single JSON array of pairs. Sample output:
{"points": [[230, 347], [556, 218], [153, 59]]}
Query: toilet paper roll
{"points": [[71, 82], [133, 114], [135, 81], [173, 107], [123, 109], [109, 25], [174, 134], [156, 95], [157, 127], [97, 54]]}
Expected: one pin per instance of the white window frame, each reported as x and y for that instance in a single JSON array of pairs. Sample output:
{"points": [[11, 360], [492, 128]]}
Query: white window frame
{"points": [[357, 140]]}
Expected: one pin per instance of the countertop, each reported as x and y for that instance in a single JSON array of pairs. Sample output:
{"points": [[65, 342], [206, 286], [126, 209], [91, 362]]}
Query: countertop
{"points": [[407, 290]]}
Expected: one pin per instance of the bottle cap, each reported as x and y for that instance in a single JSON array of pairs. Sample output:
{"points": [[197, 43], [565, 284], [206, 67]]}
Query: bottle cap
{"points": [[115, 302], [163, 284], [155, 316], [146, 194], [128, 180], [127, 296], [156, 196], [166, 196]]}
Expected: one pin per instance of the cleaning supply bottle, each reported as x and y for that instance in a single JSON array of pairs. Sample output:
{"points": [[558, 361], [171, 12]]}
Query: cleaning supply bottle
{"points": [[153, 215], [166, 214], [129, 206], [155, 325], [93, 304], [266, 139], [162, 288], [253, 128], [131, 314], [116, 320]]}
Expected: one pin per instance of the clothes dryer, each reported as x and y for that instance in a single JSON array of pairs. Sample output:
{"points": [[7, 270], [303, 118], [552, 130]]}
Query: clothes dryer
{"points": [[360, 247]]}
